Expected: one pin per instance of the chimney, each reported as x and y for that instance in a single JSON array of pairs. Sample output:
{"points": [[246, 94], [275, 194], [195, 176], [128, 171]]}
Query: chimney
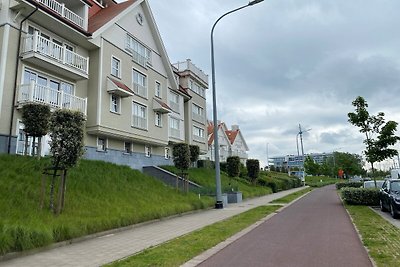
{"points": [[235, 127]]}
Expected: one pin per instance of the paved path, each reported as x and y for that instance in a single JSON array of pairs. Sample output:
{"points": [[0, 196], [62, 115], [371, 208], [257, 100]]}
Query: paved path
{"points": [[314, 231], [105, 249]]}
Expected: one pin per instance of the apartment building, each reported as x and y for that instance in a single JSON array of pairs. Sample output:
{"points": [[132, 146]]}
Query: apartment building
{"points": [[230, 141], [104, 59]]}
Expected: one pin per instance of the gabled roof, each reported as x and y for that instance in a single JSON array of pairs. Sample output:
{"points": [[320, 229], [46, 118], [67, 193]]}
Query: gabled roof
{"points": [[232, 135], [210, 130], [106, 14]]}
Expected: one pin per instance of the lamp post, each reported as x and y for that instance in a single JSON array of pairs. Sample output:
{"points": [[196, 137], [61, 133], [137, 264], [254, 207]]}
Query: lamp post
{"points": [[219, 203]]}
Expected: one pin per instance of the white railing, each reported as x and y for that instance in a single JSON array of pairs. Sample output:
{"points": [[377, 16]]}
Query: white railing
{"points": [[188, 65], [36, 93], [139, 122], [198, 117], [198, 138], [174, 106], [176, 133], [41, 45], [138, 58], [61, 10], [140, 89]]}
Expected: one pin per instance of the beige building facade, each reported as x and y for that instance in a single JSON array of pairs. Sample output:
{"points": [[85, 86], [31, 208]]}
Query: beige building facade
{"points": [[106, 60]]}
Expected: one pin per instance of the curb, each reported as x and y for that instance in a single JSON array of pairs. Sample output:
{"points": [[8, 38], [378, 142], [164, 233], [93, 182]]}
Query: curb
{"points": [[214, 250]]}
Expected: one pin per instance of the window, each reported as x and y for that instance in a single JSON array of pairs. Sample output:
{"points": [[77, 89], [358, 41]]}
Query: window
{"points": [[147, 151], [115, 67], [158, 90], [128, 147], [166, 153], [174, 126], [158, 119], [115, 103], [139, 116], [101, 144], [198, 133], [198, 113], [140, 53], [197, 88], [139, 83], [174, 101]]}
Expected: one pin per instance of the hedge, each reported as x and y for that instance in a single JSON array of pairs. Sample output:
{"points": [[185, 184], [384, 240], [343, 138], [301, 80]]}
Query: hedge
{"points": [[360, 196], [349, 184], [208, 164], [279, 184]]}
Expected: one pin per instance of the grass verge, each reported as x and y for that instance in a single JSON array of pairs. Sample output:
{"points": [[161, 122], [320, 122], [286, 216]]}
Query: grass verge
{"points": [[380, 237], [292, 196], [320, 181], [182, 249]]}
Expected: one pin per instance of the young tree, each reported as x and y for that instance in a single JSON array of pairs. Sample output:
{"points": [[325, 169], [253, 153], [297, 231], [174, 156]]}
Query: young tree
{"points": [[181, 154], [379, 136], [311, 167], [66, 145], [194, 154], [35, 118], [253, 169], [233, 166]]}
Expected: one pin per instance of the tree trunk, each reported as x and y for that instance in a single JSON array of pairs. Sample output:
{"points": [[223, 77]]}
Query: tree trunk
{"points": [[373, 173], [39, 150], [53, 181], [33, 146], [64, 189], [26, 144]]}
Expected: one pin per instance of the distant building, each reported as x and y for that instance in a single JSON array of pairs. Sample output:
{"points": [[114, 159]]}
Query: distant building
{"points": [[231, 143], [289, 162]]}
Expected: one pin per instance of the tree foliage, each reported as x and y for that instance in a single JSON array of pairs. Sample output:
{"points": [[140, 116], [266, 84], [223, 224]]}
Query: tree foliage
{"points": [[379, 136], [194, 153], [66, 132], [181, 154], [253, 169], [233, 166], [311, 166]]}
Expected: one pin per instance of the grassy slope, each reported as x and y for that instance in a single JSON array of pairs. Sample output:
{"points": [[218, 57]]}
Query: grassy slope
{"points": [[99, 196], [319, 181], [206, 178]]}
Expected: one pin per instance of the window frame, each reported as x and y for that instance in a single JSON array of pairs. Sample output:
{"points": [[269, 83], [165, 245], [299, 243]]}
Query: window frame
{"points": [[118, 104], [128, 152], [158, 121], [119, 70], [104, 146], [146, 116]]}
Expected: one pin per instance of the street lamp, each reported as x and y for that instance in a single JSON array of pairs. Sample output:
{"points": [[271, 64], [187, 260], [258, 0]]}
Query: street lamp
{"points": [[219, 203]]}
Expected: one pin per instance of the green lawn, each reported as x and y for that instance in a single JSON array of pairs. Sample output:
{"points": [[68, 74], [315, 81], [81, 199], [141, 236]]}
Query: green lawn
{"points": [[206, 178], [381, 238], [100, 196], [319, 181]]}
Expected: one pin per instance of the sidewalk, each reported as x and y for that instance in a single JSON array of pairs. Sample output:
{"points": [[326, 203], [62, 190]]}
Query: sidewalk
{"points": [[108, 248]]}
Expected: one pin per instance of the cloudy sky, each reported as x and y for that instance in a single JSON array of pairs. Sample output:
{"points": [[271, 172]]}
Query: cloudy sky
{"points": [[284, 62]]}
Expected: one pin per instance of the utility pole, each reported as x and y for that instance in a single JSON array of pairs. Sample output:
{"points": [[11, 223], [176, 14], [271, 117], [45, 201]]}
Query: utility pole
{"points": [[267, 157]]}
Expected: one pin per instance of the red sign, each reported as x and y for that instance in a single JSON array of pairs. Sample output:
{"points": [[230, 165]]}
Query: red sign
{"points": [[340, 173]]}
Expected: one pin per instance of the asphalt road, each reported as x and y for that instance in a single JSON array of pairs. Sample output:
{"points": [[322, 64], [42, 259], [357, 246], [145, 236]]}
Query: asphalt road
{"points": [[314, 231]]}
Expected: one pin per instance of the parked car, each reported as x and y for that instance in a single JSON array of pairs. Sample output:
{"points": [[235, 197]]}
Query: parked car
{"points": [[371, 184], [389, 197]]}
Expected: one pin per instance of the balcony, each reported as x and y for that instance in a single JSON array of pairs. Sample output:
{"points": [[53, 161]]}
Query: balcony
{"points": [[140, 90], [197, 117], [200, 139], [35, 93], [54, 57], [64, 12], [175, 133]]}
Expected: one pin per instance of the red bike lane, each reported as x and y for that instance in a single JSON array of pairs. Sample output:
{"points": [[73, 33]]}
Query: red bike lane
{"points": [[314, 231]]}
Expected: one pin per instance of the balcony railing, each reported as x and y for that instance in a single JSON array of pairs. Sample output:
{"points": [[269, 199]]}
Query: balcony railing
{"points": [[38, 44], [140, 89], [176, 133], [36, 93], [174, 106], [198, 138], [139, 122], [64, 12], [198, 117]]}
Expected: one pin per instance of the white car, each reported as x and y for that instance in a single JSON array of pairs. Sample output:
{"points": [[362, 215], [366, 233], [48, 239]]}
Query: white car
{"points": [[371, 184]]}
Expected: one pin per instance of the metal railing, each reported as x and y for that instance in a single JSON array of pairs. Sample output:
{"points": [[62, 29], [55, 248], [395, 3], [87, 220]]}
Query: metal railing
{"points": [[198, 117], [140, 89], [139, 122], [174, 106], [176, 133], [36, 93], [61, 10], [41, 45], [199, 138]]}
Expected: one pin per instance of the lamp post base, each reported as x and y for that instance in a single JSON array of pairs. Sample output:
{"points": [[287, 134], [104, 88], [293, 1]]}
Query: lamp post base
{"points": [[219, 205]]}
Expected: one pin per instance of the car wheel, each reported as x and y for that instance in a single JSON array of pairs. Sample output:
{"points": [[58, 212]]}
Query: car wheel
{"points": [[382, 207], [393, 213]]}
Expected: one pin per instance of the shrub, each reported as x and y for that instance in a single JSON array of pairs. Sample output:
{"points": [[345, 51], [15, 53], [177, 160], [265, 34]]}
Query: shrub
{"points": [[243, 171], [349, 184], [222, 166], [194, 153], [181, 155], [233, 166], [360, 196], [207, 164], [253, 169]]}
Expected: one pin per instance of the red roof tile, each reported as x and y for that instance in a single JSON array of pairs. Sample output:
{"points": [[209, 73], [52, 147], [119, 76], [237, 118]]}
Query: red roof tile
{"points": [[121, 85], [232, 135], [103, 16], [163, 104]]}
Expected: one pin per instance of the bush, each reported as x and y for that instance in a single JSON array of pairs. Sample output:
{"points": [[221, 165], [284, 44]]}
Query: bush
{"points": [[222, 166], [243, 171], [181, 155], [253, 169], [194, 153], [360, 196], [207, 164], [349, 184], [278, 184], [233, 166]]}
